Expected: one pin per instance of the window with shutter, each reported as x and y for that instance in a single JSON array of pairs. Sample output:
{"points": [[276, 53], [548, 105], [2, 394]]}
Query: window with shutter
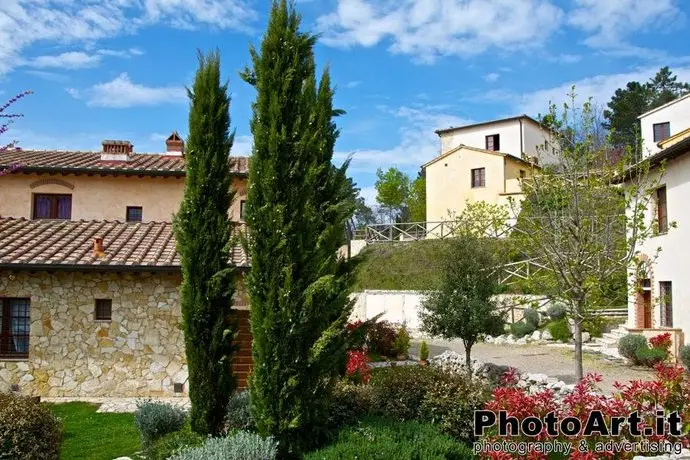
{"points": [[666, 303], [661, 209], [478, 177], [662, 131], [52, 206]]}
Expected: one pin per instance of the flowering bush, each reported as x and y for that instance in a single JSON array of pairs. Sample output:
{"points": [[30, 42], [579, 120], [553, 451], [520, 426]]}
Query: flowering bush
{"points": [[669, 392], [357, 368], [381, 339], [662, 342]]}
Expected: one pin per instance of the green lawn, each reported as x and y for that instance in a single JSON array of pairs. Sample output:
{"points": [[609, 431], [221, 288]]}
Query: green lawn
{"points": [[93, 436]]}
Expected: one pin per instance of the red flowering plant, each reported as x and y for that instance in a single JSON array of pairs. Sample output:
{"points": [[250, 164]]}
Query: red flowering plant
{"points": [[662, 342], [670, 392], [357, 369]]}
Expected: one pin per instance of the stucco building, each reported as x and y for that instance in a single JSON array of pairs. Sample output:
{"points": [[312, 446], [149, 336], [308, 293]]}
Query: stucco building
{"points": [[663, 280], [89, 273], [483, 162]]}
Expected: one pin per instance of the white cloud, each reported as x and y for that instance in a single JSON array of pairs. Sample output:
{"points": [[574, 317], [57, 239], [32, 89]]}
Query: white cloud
{"points": [[68, 60], [599, 87], [493, 76], [50, 76], [418, 143], [369, 195], [242, 147], [64, 22], [611, 22], [122, 92], [73, 92], [352, 84], [427, 29]]}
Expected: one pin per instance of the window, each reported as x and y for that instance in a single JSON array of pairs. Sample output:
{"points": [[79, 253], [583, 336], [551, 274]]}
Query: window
{"points": [[104, 310], [52, 206], [478, 177], [242, 209], [135, 213], [493, 143], [662, 213], [666, 304], [14, 328], [662, 131], [522, 174]]}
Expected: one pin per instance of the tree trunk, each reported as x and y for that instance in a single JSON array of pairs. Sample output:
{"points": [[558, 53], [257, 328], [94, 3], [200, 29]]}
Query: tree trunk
{"points": [[577, 336], [468, 359]]}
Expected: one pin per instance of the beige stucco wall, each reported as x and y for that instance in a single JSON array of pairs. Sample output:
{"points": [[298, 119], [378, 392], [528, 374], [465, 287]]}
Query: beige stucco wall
{"points": [[139, 353], [102, 198], [448, 182]]}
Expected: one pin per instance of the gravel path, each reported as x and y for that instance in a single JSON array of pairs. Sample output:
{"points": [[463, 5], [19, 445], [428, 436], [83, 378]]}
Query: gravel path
{"points": [[554, 362]]}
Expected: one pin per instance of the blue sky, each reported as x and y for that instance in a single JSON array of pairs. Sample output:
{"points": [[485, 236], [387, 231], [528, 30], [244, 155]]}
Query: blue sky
{"points": [[117, 69]]}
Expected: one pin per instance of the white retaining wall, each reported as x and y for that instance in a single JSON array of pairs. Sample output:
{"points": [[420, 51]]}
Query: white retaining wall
{"points": [[402, 307]]}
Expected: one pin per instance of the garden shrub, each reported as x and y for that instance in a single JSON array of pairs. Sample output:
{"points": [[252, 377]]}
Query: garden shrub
{"points": [[398, 392], [532, 317], [595, 325], [240, 446], [28, 429], [348, 404], [357, 369], [381, 439], [557, 312], [662, 342], [629, 344], [239, 412], [427, 394], [559, 330], [495, 325], [154, 420], [172, 443], [381, 339], [684, 353], [522, 329], [402, 342], [423, 351], [650, 357]]}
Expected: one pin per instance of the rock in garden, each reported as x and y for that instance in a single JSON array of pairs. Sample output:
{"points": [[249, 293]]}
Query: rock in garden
{"points": [[536, 335], [546, 335], [586, 337]]}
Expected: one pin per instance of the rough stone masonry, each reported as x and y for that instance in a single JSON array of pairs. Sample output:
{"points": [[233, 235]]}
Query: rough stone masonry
{"points": [[140, 352]]}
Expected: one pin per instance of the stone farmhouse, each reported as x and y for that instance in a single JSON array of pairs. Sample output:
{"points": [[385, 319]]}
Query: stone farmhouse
{"points": [[89, 274]]}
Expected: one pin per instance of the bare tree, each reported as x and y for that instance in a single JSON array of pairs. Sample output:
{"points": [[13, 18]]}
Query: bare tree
{"points": [[584, 216], [5, 120]]}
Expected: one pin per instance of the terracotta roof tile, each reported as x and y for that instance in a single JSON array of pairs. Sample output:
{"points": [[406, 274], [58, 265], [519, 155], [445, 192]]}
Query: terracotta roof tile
{"points": [[69, 244], [139, 163]]}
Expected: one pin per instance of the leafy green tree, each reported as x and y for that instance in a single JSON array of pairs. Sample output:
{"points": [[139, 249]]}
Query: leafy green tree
{"points": [[392, 190], [202, 229], [579, 220], [297, 206], [665, 87], [416, 200], [464, 306], [630, 102]]}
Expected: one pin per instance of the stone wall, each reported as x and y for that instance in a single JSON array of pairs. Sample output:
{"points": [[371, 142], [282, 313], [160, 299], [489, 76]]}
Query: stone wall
{"points": [[139, 353]]}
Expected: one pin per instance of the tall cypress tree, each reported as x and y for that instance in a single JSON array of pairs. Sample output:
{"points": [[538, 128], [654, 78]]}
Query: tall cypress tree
{"points": [[297, 207], [202, 229]]}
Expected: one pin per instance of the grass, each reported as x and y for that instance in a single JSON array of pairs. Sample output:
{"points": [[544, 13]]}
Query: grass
{"points": [[93, 436]]}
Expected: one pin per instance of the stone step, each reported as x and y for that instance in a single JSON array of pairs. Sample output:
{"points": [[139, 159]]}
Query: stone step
{"points": [[609, 342]]}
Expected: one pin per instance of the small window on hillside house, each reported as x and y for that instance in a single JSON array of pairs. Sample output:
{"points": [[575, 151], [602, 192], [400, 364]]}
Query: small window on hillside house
{"points": [[242, 209], [666, 303], [104, 310], [661, 210], [522, 174], [135, 213], [14, 328], [493, 143], [478, 177], [662, 131], [52, 206]]}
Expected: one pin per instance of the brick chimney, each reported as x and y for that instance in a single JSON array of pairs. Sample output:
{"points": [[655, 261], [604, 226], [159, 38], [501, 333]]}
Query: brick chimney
{"points": [[116, 150], [174, 145], [98, 249]]}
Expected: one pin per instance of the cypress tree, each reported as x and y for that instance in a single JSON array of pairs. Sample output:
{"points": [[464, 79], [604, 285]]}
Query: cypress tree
{"points": [[202, 228], [297, 207]]}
